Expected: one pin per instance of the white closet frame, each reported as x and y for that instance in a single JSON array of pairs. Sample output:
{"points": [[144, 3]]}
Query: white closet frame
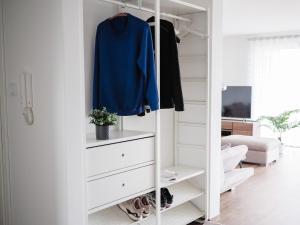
{"points": [[157, 12]]}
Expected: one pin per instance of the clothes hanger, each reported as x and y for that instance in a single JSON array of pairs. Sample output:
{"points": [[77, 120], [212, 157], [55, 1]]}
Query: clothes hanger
{"points": [[120, 14], [183, 30]]}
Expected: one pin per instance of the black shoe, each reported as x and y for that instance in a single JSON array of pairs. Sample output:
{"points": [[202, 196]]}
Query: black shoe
{"points": [[167, 195], [152, 199]]}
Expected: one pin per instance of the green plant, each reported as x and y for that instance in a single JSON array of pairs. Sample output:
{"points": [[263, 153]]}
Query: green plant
{"points": [[101, 117], [281, 123]]}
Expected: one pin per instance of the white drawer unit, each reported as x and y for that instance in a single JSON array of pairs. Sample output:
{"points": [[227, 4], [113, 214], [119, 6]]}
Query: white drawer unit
{"points": [[112, 157], [116, 187]]}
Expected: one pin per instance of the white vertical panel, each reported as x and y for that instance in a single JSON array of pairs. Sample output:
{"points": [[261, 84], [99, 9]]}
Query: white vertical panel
{"points": [[157, 121], [192, 135], [192, 46], [193, 113], [194, 91], [74, 113], [194, 156], [193, 66], [215, 80]]}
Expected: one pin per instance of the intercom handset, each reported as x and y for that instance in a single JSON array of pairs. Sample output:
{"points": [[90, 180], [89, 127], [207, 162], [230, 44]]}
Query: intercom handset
{"points": [[27, 97]]}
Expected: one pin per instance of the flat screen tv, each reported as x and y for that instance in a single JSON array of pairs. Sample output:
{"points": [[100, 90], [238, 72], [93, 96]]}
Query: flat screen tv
{"points": [[236, 102]]}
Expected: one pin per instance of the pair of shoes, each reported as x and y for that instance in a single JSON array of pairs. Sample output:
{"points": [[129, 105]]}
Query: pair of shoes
{"points": [[166, 199], [137, 208]]}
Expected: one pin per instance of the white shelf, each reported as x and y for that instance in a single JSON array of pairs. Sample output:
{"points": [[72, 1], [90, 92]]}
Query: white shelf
{"points": [[192, 124], [183, 173], [116, 136], [114, 216], [194, 79], [182, 215], [183, 192], [193, 102]]}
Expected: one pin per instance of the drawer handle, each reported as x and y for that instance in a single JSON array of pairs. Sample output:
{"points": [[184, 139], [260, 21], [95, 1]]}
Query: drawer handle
{"points": [[123, 155], [123, 185]]}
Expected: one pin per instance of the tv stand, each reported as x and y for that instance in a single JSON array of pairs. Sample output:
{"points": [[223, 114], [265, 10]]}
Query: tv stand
{"points": [[239, 127]]}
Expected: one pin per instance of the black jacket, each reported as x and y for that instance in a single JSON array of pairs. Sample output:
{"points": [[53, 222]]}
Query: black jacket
{"points": [[170, 83]]}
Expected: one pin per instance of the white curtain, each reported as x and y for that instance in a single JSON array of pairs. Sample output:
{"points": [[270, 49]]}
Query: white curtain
{"points": [[275, 71]]}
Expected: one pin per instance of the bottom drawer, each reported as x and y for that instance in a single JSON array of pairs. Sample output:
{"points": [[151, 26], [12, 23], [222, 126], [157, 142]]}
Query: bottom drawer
{"points": [[113, 188]]}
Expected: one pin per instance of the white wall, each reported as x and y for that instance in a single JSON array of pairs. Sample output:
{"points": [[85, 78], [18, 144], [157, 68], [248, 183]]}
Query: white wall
{"points": [[215, 108], [2, 188], [235, 61], [40, 172], [257, 16]]}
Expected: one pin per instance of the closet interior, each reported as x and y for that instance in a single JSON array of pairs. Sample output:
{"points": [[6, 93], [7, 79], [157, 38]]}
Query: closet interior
{"points": [[164, 148]]}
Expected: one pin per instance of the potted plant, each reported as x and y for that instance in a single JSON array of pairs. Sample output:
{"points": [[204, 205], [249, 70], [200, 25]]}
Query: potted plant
{"points": [[102, 119], [281, 123]]}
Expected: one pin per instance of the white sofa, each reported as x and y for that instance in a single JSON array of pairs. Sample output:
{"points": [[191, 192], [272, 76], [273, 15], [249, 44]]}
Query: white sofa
{"points": [[231, 176], [260, 150]]}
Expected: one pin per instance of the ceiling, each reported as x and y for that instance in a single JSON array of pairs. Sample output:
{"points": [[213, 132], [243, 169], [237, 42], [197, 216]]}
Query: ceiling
{"points": [[250, 17]]}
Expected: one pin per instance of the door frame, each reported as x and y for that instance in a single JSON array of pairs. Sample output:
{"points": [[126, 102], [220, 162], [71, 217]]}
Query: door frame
{"points": [[5, 194]]}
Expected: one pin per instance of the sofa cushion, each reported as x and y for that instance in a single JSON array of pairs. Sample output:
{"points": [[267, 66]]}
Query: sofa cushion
{"points": [[253, 143], [233, 156]]}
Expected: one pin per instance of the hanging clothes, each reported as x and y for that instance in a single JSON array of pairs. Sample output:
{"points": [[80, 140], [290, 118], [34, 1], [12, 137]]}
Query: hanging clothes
{"points": [[124, 70], [170, 82]]}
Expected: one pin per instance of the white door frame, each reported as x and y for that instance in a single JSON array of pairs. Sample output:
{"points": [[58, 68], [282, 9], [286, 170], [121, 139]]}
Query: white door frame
{"points": [[5, 195]]}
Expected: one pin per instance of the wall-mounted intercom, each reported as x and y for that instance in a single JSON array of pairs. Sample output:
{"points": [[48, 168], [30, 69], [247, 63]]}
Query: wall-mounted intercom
{"points": [[27, 97]]}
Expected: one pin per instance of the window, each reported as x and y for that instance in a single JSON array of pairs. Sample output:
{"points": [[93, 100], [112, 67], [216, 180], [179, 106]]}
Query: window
{"points": [[275, 70]]}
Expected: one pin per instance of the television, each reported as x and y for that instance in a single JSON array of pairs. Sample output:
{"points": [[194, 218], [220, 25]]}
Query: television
{"points": [[236, 102]]}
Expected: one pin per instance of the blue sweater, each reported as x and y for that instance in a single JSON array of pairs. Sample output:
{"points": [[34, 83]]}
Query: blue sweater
{"points": [[124, 72]]}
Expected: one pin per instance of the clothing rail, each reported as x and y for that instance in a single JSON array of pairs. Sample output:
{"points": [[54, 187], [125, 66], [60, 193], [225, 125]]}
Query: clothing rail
{"points": [[187, 4], [140, 7]]}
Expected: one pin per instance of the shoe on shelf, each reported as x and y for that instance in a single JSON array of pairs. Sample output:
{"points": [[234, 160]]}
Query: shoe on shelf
{"points": [[167, 195], [133, 208], [152, 199], [146, 206]]}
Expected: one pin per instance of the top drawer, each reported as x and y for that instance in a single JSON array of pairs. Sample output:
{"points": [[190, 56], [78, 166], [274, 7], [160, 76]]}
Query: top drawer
{"points": [[118, 156]]}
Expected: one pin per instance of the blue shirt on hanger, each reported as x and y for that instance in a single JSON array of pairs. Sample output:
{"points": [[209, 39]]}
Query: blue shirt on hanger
{"points": [[124, 72]]}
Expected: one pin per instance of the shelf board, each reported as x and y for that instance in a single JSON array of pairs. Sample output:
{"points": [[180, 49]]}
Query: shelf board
{"points": [[183, 173], [177, 6], [194, 79], [182, 215], [114, 216], [183, 192], [193, 102], [191, 124], [116, 136]]}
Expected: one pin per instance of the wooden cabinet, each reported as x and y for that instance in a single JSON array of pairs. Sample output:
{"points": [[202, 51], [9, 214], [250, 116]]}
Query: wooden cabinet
{"points": [[234, 127]]}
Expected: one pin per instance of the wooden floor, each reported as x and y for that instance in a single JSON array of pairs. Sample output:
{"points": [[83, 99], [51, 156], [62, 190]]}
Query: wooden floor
{"points": [[270, 197]]}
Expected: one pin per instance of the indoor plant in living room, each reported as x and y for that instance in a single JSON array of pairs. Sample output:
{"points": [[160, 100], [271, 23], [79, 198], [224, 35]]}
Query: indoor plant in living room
{"points": [[102, 120], [281, 123]]}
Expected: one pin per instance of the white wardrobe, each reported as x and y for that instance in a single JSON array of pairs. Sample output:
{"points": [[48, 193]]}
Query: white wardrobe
{"points": [[134, 161], [59, 173]]}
